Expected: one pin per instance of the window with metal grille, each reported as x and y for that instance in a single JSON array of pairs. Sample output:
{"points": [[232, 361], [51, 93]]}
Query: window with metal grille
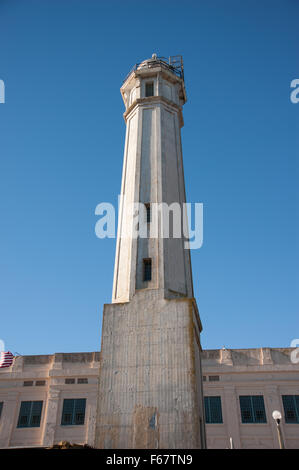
{"points": [[30, 414], [213, 410], [291, 408], [73, 412], [69, 381], [40, 383], [147, 269], [28, 383], [214, 378], [252, 409], [1, 407], [82, 381], [149, 89]]}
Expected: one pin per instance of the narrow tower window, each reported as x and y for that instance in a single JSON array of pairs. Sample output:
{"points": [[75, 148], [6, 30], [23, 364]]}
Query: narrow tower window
{"points": [[148, 212], [147, 269], [30, 414], [149, 89]]}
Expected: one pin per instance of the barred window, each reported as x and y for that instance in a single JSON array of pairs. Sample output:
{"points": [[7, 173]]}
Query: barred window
{"points": [[252, 409], [149, 89], [40, 383], [82, 381], [73, 412], [69, 381], [291, 408], [30, 414], [213, 410], [214, 378], [28, 383]]}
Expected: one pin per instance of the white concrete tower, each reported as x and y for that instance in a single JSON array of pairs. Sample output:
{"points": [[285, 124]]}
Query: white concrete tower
{"points": [[152, 173], [150, 390]]}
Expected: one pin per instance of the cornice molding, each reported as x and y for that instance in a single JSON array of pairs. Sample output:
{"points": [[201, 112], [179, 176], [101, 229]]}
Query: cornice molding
{"points": [[155, 100]]}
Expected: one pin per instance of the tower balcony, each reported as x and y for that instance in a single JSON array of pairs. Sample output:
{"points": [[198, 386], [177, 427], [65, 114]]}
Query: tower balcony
{"points": [[173, 64]]}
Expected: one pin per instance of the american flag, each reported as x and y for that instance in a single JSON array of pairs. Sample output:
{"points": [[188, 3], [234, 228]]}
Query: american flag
{"points": [[6, 359]]}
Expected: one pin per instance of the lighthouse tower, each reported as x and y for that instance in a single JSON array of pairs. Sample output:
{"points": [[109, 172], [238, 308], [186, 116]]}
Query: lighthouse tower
{"points": [[150, 388]]}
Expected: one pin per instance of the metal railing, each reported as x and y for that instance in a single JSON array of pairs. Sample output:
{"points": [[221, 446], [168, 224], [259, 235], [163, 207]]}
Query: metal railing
{"points": [[173, 63]]}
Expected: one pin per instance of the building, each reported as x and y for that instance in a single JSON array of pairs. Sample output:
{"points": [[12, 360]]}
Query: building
{"points": [[242, 388], [60, 395], [150, 392], [32, 398]]}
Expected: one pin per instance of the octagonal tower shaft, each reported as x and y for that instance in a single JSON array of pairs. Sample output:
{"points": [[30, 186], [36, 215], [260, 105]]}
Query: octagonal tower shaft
{"points": [[152, 174]]}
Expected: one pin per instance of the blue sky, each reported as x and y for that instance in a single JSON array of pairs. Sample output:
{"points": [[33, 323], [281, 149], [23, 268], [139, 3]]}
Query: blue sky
{"points": [[61, 150]]}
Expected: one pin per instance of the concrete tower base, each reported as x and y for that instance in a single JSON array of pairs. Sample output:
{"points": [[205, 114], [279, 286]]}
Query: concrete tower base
{"points": [[150, 393]]}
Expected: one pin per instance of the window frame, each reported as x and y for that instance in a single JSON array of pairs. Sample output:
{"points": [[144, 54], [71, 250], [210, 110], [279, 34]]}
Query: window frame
{"points": [[214, 378], [31, 414], [40, 383], [253, 409], [152, 85], [82, 380], [148, 215], [295, 402], [209, 418], [69, 381], [28, 383], [71, 404]]}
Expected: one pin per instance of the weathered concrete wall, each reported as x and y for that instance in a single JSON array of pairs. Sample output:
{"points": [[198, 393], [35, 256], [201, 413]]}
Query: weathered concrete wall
{"points": [[148, 391]]}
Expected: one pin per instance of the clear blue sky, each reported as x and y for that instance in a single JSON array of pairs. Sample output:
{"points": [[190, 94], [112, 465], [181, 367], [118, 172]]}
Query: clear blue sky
{"points": [[61, 150]]}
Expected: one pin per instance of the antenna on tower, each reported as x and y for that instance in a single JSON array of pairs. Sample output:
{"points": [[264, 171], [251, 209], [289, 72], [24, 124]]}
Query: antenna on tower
{"points": [[176, 61]]}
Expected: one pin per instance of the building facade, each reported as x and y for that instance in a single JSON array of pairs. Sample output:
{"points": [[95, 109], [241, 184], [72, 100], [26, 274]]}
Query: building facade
{"points": [[52, 398]]}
